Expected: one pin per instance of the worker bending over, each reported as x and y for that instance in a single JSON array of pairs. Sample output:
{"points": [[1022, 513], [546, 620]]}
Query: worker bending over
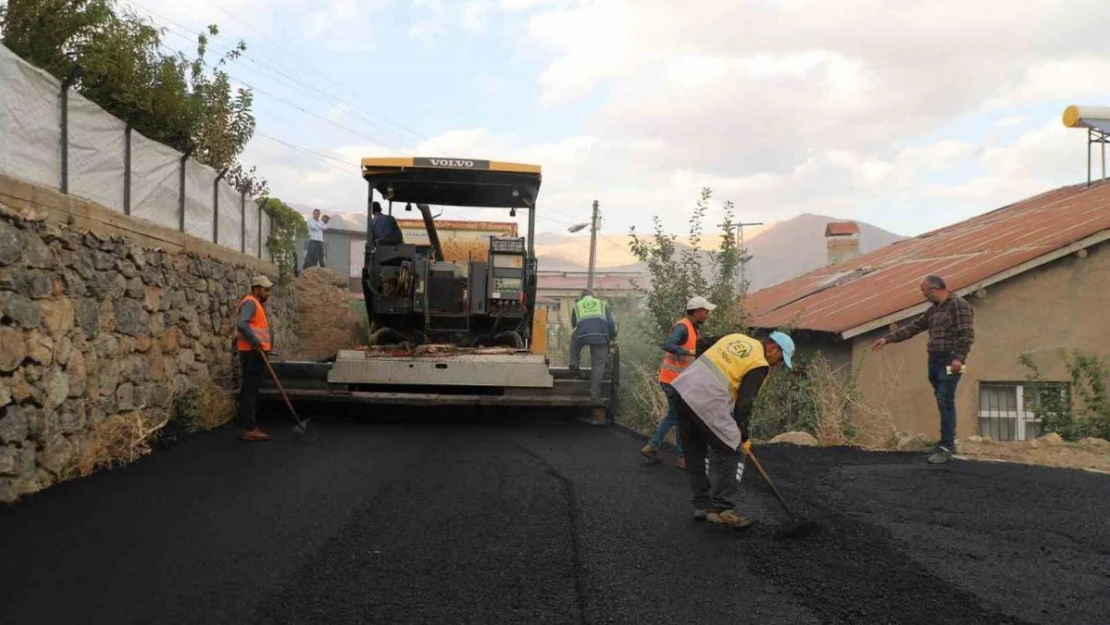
{"points": [[679, 351], [714, 406], [593, 325]]}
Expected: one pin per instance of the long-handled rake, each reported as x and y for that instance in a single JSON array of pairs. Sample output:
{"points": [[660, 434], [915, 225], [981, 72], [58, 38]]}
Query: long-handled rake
{"points": [[305, 429], [798, 526]]}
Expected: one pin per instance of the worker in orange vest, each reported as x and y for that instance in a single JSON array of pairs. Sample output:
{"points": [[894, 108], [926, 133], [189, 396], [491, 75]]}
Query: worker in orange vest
{"points": [[679, 351], [253, 338]]}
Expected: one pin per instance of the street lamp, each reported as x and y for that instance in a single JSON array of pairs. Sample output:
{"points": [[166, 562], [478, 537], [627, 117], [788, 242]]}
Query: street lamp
{"points": [[593, 244]]}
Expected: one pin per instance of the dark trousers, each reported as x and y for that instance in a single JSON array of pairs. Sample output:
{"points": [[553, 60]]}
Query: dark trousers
{"points": [[252, 370], [314, 256], [599, 360], [713, 469], [944, 387]]}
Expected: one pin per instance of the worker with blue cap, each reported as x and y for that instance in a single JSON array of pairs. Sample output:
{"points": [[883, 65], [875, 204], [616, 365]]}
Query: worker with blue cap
{"points": [[714, 407]]}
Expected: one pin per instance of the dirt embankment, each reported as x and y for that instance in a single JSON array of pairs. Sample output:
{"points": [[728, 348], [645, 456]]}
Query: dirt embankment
{"points": [[1049, 450], [326, 320]]}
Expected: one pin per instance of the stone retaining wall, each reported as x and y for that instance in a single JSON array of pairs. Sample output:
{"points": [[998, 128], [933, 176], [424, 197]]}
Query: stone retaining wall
{"points": [[98, 329]]}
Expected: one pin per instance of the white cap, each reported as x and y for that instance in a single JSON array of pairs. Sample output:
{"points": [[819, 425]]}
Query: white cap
{"points": [[261, 281], [699, 302]]}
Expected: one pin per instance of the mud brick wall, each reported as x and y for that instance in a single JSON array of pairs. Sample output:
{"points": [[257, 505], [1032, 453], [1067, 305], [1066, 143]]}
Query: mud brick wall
{"points": [[96, 326]]}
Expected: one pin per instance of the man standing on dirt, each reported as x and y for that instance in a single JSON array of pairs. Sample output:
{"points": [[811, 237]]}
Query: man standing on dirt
{"points": [[593, 325], [715, 395], [680, 349], [951, 324], [253, 338], [314, 257]]}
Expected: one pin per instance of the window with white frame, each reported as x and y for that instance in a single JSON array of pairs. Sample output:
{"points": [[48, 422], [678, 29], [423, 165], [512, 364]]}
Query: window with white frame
{"points": [[1007, 411]]}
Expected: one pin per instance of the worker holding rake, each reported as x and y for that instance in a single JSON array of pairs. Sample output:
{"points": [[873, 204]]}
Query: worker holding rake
{"points": [[714, 407]]}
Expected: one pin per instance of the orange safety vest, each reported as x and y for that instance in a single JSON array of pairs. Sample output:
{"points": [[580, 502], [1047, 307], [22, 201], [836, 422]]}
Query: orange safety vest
{"points": [[259, 323], [673, 364]]}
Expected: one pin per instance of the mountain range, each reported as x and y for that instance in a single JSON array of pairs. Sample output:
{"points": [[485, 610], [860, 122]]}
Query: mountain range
{"points": [[779, 250]]}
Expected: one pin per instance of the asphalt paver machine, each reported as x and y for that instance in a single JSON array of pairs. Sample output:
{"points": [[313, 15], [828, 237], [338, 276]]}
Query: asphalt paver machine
{"points": [[459, 331]]}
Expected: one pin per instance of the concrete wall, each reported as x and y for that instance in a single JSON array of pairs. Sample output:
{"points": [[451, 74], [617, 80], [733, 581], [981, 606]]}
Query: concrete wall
{"points": [[1060, 305], [103, 318]]}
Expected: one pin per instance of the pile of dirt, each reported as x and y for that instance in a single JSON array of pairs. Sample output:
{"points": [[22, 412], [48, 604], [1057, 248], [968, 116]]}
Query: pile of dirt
{"points": [[1049, 450], [326, 320]]}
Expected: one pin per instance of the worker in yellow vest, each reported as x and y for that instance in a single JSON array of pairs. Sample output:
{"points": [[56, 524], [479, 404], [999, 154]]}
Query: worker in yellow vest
{"points": [[593, 325], [679, 351], [253, 337], [714, 408]]}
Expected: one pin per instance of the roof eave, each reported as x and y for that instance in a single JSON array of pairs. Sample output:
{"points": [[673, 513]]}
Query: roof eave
{"points": [[1028, 265]]}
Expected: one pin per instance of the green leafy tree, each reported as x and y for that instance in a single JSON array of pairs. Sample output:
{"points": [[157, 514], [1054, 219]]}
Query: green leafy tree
{"points": [[115, 59], [678, 273], [286, 224], [1074, 412]]}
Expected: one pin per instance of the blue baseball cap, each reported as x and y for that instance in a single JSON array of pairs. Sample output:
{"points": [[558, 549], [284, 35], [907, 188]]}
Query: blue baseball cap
{"points": [[787, 344]]}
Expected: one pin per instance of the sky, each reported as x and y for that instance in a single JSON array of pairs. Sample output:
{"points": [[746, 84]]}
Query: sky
{"points": [[908, 118]]}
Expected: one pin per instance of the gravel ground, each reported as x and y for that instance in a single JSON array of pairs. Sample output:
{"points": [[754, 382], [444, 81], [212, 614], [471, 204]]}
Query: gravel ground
{"points": [[546, 522]]}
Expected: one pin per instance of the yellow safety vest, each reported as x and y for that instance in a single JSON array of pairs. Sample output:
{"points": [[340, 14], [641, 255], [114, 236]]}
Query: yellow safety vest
{"points": [[590, 308], [710, 385]]}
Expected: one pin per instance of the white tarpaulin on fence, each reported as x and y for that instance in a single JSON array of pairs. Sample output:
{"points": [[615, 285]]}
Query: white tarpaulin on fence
{"points": [[96, 153], [265, 235], [231, 217], [30, 122], [250, 226], [154, 181], [31, 149], [199, 184]]}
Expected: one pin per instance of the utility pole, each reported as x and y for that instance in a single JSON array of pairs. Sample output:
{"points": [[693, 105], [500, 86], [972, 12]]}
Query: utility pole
{"points": [[593, 248], [744, 257]]}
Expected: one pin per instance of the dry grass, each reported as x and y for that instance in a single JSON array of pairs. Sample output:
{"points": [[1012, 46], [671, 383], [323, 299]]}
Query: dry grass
{"points": [[648, 403], [121, 439], [842, 416], [115, 441], [203, 407]]}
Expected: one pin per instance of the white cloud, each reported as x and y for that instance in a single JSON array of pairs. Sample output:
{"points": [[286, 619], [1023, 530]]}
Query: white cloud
{"points": [[1077, 78], [337, 24], [475, 15], [783, 107]]}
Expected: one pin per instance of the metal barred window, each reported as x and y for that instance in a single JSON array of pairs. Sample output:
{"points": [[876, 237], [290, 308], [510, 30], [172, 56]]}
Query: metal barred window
{"points": [[1006, 410]]}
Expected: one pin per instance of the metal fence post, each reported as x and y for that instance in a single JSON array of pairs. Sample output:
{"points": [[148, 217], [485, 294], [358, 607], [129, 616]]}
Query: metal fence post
{"points": [[260, 231], [216, 207], [127, 170], [243, 222], [181, 188], [64, 94]]}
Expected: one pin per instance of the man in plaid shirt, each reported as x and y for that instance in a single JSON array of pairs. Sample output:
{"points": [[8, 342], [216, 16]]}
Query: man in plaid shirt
{"points": [[950, 321]]}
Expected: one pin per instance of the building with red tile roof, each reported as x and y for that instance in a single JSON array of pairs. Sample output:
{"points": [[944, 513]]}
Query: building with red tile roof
{"points": [[1037, 273]]}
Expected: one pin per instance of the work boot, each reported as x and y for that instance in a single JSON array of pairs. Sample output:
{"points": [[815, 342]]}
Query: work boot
{"points": [[941, 455], [255, 434], [701, 513], [650, 452], [681, 464], [729, 518]]}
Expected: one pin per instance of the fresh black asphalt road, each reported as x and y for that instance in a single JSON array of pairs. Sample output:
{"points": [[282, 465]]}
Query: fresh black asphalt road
{"points": [[542, 521]]}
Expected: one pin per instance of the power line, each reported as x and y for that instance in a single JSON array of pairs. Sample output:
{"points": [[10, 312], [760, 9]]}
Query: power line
{"points": [[323, 75], [308, 151], [271, 71]]}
